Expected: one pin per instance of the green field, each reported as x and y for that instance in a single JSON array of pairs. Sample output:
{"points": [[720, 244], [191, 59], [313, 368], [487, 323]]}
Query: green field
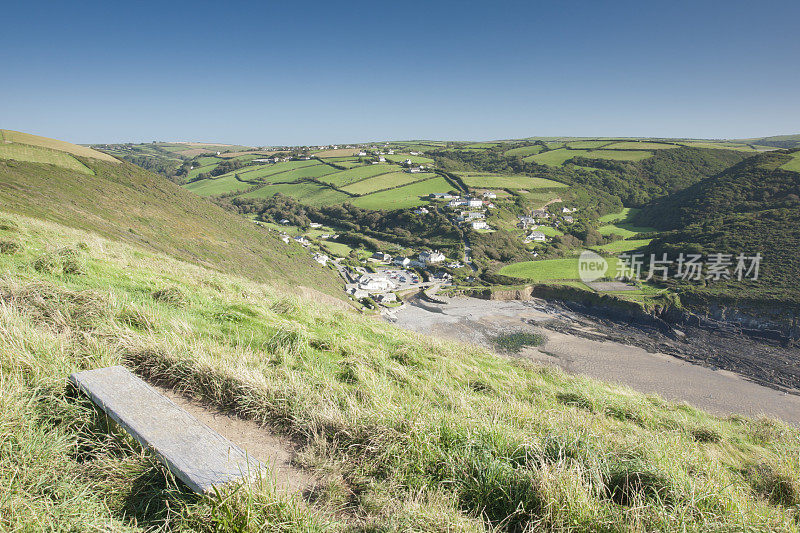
{"points": [[523, 151], [408, 196], [794, 164], [279, 171], [620, 224], [336, 248], [587, 144], [720, 145], [214, 187], [386, 181], [307, 193], [558, 157], [35, 154], [617, 247], [551, 269], [509, 182], [346, 177], [640, 145]]}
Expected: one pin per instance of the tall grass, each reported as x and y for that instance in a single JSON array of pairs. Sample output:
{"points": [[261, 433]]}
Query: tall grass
{"points": [[405, 432]]}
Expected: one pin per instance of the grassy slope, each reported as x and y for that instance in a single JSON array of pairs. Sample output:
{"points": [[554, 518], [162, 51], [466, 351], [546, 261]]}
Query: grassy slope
{"points": [[127, 203], [407, 433], [54, 144]]}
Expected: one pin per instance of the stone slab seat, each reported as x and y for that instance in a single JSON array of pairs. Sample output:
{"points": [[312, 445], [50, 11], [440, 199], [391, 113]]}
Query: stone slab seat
{"points": [[196, 454]]}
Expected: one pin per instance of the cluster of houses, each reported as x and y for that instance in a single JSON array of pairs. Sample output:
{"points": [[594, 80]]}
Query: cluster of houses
{"points": [[424, 259], [542, 217], [475, 219]]}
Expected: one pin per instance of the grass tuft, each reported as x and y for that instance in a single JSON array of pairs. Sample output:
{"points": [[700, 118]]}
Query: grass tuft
{"points": [[9, 247], [171, 296], [779, 488]]}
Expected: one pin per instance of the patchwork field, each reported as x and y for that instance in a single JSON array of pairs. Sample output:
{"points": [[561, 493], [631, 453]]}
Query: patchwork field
{"points": [[524, 151], [509, 182], [403, 197], [35, 154], [587, 144], [308, 192], [342, 152], [560, 156], [643, 145], [415, 159], [386, 181], [618, 247], [346, 177]]}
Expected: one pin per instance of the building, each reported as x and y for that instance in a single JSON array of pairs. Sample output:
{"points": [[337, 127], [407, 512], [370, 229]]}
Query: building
{"points": [[442, 196], [421, 211], [569, 219], [480, 224], [386, 298], [541, 213], [402, 261], [381, 159], [362, 153], [285, 221], [322, 259], [474, 202], [429, 257], [454, 264], [408, 162], [315, 225], [525, 221], [380, 256], [302, 240], [472, 215], [389, 152], [489, 195], [414, 170], [286, 239], [537, 236], [375, 282]]}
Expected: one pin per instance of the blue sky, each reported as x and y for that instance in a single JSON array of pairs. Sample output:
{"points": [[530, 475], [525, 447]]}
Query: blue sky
{"points": [[261, 73]]}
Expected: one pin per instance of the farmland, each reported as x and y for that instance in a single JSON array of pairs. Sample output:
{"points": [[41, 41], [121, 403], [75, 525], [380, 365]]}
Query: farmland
{"points": [[640, 145], [620, 224], [346, 177], [10, 136], [524, 151], [509, 182], [386, 181], [223, 185], [794, 164], [560, 156], [307, 192], [403, 197], [551, 269]]}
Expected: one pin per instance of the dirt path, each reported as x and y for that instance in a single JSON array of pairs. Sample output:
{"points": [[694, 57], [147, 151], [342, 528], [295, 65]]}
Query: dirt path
{"points": [[717, 391], [275, 451]]}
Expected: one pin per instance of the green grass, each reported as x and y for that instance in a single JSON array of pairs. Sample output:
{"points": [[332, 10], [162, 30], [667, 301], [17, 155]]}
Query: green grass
{"points": [[345, 177], [35, 154], [551, 269], [523, 151], [126, 203], [54, 144], [336, 248], [509, 182], [561, 155], [794, 164], [415, 159], [587, 144], [403, 197], [212, 187], [619, 224], [617, 247], [404, 432], [307, 193], [385, 181], [640, 145]]}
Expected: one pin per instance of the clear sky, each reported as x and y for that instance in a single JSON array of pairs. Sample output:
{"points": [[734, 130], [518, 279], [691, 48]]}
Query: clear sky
{"points": [[262, 73]]}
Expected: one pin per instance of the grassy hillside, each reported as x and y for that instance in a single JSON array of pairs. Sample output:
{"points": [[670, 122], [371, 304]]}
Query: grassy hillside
{"points": [[124, 202], [405, 433], [16, 137], [752, 207]]}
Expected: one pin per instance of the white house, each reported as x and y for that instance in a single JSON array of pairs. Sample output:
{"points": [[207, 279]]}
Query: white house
{"points": [[302, 240], [381, 159], [386, 298], [541, 213], [441, 196], [489, 195], [380, 256], [315, 225], [474, 202], [322, 259], [285, 221], [429, 257], [421, 211], [480, 224], [286, 239], [362, 153], [402, 261], [390, 152], [415, 169], [537, 236], [569, 219], [408, 162]]}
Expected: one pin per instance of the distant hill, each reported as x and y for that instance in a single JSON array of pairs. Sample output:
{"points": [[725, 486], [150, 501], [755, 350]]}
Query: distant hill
{"points": [[751, 207], [122, 201], [778, 141]]}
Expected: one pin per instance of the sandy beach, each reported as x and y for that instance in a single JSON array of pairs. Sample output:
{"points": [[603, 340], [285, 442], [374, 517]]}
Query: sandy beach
{"points": [[718, 391]]}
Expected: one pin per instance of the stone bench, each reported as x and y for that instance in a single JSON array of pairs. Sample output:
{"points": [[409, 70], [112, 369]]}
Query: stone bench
{"points": [[197, 455]]}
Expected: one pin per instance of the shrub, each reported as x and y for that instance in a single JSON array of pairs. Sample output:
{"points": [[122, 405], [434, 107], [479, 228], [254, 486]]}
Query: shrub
{"points": [[516, 341], [634, 479], [62, 261], [9, 247], [777, 487], [170, 295]]}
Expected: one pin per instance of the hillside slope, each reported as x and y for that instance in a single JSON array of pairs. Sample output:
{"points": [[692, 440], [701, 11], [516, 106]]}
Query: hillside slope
{"points": [[404, 433], [124, 202], [752, 207]]}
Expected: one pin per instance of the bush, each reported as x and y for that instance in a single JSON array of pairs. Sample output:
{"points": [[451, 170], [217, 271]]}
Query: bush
{"points": [[634, 479], [9, 247]]}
